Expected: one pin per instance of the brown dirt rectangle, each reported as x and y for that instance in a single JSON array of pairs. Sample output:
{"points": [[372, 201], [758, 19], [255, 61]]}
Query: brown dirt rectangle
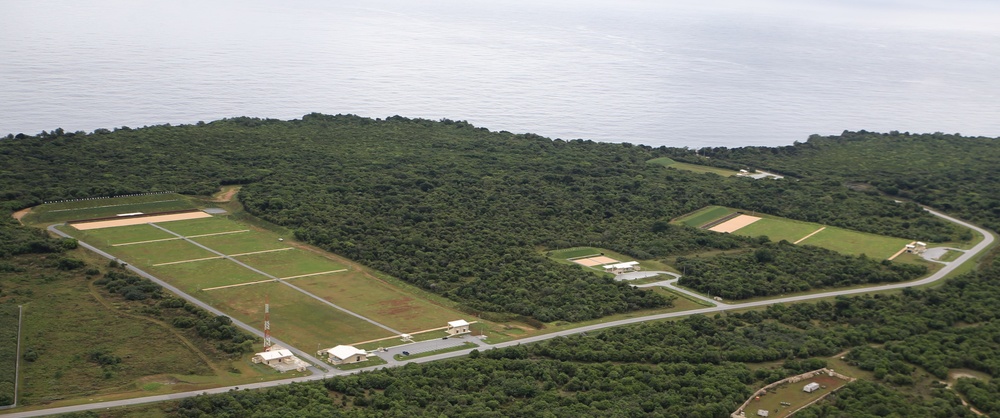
{"points": [[735, 224], [595, 261], [138, 220]]}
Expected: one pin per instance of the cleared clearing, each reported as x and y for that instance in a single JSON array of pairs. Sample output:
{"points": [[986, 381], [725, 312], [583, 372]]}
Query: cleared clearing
{"points": [[735, 224], [778, 229], [290, 263]]}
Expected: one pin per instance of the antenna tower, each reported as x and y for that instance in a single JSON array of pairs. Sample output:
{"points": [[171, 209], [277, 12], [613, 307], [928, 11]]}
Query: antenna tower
{"points": [[267, 323]]}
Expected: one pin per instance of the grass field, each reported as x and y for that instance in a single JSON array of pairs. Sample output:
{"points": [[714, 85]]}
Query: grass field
{"points": [[202, 226], [8, 352], [194, 276], [375, 299], [295, 317], [575, 252], [87, 209], [704, 216], [853, 242], [240, 243], [793, 394], [296, 262], [122, 234], [779, 229], [162, 252], [697, 168]]}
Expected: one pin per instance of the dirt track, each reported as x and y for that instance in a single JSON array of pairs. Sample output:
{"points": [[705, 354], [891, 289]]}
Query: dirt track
{"points": [[734, 224], [20, 214]]}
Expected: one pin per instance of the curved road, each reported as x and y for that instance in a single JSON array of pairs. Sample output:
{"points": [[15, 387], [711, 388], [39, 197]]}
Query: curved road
{"points": [[988, 239]]}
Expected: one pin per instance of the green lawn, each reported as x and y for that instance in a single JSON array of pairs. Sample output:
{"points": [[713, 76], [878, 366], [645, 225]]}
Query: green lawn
{"points": [[704, 216], [243, 242], [196, 275], [375, 299], [295, 317], [295, 262], [793, 394], [202, 226], [778, 229], [161, 252], [852, 242], [99, 208], [120, 234], [575, 252], [697, 168]]}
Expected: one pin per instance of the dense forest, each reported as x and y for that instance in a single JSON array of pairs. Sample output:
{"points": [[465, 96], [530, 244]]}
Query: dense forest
{"points": [[452, 208], [464, 211], [949, 172], [779, 268]]}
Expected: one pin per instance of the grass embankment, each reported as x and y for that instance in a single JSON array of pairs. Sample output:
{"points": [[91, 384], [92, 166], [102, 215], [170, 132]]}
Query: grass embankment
{"points": [[68, 320], [9, 314], [103, 207], [372, 361], [703, 216], [667, 162]]}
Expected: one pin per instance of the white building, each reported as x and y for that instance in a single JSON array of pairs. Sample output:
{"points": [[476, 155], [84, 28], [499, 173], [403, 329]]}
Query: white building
{"points": [[812, 387], [346, 354], [619, 268], [458, 327], [274, 357]]}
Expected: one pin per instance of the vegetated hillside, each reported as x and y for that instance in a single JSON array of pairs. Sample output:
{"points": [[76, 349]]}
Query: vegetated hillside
{"points": [[778, 268], [691, 368], [952, 173], [444, 205]]}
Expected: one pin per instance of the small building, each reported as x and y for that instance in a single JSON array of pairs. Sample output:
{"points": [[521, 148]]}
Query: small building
{"points": [[619, 268], [346, 354], [274, 357], [458, 327], [810, 388], [763, 412]]}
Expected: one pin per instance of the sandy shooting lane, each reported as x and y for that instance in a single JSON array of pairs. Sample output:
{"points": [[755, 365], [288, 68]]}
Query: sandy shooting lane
{"points": [[735, 224], [138, 220]]}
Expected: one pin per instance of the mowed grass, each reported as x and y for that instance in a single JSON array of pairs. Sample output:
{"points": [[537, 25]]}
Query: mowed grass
{"points": [[197, 275], [291, 263], [202, 226], [697, 168], [575, 252], [121, 234], [793, 394], [853, 242], [162, 252], [242, 242], [373, 298], [99, 208], [779, 229], [704, 216], [296, 318]]}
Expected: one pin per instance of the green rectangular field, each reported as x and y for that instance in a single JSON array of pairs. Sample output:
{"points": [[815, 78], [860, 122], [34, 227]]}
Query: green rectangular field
{"points": [[697, 168], [373, 298], [242, 242], [296, 318], [121, 234], [202, 226], [162, 252], [852, 242], [575, 252], [290, 263], [705, 215], [778, 229], [196, 275], [100, 208]]}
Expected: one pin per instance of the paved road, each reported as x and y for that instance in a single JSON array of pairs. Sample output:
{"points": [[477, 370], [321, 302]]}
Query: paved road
{"points": [[988, 239]]}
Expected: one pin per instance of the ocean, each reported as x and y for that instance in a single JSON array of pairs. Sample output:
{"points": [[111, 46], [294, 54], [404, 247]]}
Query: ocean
{"points": [[654, 72]]}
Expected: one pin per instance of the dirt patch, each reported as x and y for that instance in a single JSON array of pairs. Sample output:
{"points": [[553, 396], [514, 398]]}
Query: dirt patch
{"points": [[20, 214], [735, 224], [226, 195], [595, 261], [138, 220]]}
